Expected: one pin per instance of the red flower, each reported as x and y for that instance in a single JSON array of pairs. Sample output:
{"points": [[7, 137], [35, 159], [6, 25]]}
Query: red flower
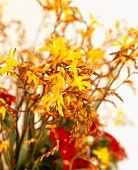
{"points": [[118, 151], [9, 99], [65, 166], [77, 163], [68, 152], [63, 136], [80, 163], [52, 137]]}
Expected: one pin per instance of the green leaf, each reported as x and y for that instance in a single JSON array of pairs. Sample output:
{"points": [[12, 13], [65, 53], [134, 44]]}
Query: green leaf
{"points": [[22, 159], [8, 123]]}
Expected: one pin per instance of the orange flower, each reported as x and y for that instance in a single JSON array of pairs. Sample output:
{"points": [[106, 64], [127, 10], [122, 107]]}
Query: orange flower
{"points": [[30, 141], [2, 108], [11, 62], [3, 145]]}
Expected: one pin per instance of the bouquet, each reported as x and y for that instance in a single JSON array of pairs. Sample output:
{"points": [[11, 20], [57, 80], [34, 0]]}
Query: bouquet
{"points": [[51, 95]]}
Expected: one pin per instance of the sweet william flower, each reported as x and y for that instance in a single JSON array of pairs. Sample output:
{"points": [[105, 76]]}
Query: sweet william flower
{"points": [[114, 144], [80, 163], [118, 151], [7, 97], [67, 152], [65, 165], [63, 136]]}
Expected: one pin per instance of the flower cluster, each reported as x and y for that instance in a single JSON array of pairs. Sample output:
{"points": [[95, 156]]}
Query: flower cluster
{"points": [[49, 109], [117, 150], [68, 150]]}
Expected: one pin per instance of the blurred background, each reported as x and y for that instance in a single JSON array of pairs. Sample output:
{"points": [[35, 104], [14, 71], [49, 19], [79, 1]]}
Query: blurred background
{"points": [[107, 12]]}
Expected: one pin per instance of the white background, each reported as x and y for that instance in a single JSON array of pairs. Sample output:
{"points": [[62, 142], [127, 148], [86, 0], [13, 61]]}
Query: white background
{"points": [[108, 11]]}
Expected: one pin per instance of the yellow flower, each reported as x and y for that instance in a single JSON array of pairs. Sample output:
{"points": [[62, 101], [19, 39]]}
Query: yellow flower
{"points": [[60, 103], [55, 5], [11, 62], [73, 68], [121, 118], [68, 15], [30, 141], [57, 49], [125, 43], [103, 154], [80, 82], [60, 52], [32, 78], [56, 99], [2, 5], [94, 55], [120, 113], [94, 21], [2, 108], [3, 145], [6, 69], [73, 54]]}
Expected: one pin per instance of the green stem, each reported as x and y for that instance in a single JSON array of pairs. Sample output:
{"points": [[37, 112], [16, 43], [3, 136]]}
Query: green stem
{"points": [[7, 159], [110, 82], [36, 144]]}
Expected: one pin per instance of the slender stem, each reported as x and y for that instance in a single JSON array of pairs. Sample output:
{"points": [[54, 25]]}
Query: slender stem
{"points": [[108, 86], [6, 155], [38, 31]]}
